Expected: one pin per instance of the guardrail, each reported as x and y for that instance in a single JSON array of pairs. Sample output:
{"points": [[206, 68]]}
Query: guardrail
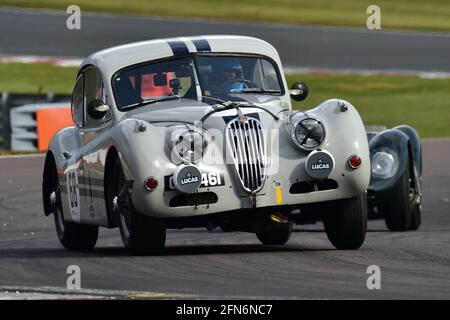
{"points": [[9, 101]]}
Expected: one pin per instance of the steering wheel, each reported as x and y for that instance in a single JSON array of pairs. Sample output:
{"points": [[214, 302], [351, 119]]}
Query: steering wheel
{"points": [[245, 82]]}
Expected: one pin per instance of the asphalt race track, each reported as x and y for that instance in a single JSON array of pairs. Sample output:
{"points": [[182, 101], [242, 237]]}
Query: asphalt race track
{"points": [[198, 263], [201, 264], [45, 33]]}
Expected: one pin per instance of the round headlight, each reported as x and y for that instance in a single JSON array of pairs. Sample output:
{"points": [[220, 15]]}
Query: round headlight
{"points": [[384, 165], [189, 146], [308, 133]]}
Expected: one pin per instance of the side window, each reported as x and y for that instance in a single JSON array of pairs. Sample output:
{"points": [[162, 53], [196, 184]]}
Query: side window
{"points": [[77, 102], [93, 90], [270, 76]]}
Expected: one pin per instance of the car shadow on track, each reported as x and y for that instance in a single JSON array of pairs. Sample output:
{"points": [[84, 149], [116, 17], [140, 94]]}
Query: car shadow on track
{"points": [[174, 250], [323, 231]]}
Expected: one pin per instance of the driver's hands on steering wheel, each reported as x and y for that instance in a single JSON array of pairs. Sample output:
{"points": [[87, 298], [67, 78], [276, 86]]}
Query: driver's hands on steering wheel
{"points": [[246, 83]]}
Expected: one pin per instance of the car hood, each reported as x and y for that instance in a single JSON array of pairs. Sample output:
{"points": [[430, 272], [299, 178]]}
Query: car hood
{"points": [[190, 111]]}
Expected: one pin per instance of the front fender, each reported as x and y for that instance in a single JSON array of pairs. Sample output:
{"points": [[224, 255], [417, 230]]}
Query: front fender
{"points": [[345, 137], [415, 144], [139, 151], [397, 142]]}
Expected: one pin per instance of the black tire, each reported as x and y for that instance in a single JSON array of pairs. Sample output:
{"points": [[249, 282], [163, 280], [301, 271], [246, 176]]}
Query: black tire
{"points": [[275, 233], [416, 217], [140, 234], [397, 212], [416, 212], [226, 228], [73, 236], [345, 222]]}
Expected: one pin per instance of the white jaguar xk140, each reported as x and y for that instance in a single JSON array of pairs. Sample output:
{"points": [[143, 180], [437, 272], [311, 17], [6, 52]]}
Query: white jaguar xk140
{"points": [[200, 132]]}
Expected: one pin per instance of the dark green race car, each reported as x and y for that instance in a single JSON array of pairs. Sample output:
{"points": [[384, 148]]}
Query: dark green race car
{"points": [[395, 192]]}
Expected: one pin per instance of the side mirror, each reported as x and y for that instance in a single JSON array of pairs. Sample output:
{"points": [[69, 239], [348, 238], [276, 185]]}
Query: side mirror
{"points": [[97, 109], [299, 91]]}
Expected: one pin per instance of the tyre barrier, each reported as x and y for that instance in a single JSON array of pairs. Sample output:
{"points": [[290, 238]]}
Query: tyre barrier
{"points": [[33, 125], [10, 101]]}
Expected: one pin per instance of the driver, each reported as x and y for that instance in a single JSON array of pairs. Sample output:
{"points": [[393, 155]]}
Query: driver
{"points": [[226, 77]]}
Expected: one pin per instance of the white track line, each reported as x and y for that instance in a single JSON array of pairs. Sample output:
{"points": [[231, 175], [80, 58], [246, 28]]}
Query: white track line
{"points": [[15, 156], [76, 62], [31, 59], [52, 293], [368, 72]]}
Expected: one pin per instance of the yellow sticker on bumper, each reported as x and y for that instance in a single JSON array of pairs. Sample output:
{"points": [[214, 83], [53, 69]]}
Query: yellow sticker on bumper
{"points": [[278, 194]]}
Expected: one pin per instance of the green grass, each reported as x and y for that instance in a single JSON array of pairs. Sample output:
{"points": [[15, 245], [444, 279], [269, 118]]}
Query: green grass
{"points": [[36, 78], [384, 100], [400, 14]]}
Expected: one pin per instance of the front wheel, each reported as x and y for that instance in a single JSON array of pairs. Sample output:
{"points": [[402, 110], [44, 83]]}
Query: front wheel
{"points": [[397, 211], [345, 222], [416, 217], [140, 234], [416, 212]]}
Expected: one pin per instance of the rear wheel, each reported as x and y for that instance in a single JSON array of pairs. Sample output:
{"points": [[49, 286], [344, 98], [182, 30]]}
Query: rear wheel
{"points": [[140, 234], [73, 236], [345, 222], [275, 233]]}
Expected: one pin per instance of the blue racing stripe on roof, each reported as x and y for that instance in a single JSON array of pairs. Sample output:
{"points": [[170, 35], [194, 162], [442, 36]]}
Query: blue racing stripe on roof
{"points": [[178, 47], [202, 45]]}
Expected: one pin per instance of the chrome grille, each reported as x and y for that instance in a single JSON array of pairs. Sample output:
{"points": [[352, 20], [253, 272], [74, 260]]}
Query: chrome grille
{"points": [[247, 146]]}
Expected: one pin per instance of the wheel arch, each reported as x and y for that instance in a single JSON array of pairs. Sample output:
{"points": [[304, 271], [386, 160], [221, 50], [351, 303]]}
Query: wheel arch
{"points": [[48, 181], [111, 157], [414, 144]]}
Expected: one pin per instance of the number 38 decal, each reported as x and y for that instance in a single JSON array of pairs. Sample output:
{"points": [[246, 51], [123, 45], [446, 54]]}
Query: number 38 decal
{"points": [[73, 193]]}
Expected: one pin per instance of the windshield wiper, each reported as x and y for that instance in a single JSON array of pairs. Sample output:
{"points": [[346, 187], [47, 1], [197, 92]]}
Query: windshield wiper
{"points": [[144, 102], [255, 90], [222, 108], [237, 106], [222, 102]]}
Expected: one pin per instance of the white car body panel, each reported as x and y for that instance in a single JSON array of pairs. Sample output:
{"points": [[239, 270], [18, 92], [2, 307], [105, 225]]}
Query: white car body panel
{"points": [[145, 154]]}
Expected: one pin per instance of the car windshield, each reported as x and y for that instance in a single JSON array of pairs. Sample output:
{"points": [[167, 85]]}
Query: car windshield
{"points": [[154, 81], [237, 74], [177, 78]]}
